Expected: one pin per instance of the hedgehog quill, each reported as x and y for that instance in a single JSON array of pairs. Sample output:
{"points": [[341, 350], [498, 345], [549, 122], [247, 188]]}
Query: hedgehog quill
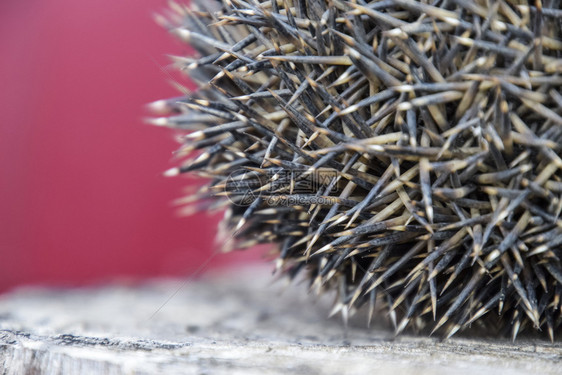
{"points": [[405, 154]]}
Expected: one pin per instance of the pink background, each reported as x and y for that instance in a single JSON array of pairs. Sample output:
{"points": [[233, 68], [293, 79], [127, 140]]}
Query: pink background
{"points": [[82, 198]]}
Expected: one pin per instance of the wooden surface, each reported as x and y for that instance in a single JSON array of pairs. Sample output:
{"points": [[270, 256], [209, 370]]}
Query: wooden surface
{"points": [[230, 324]]}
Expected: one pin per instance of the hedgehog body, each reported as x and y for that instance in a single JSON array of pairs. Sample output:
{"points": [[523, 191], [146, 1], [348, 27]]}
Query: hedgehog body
{"points": [[403, 153]]}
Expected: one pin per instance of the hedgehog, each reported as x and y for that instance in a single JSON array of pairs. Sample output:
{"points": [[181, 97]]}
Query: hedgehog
{"points": [[404, 154]]}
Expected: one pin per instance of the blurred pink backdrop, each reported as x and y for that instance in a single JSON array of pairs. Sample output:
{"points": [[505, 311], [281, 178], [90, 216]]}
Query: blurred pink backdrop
{"points": [[82, 197]]}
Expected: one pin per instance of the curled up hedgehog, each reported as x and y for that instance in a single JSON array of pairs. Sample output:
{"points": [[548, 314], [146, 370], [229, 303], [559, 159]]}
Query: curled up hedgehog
{"points": [[405, 154]]}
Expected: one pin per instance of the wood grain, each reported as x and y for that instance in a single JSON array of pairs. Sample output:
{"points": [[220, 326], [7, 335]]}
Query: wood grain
{"points": [[233, 323]]}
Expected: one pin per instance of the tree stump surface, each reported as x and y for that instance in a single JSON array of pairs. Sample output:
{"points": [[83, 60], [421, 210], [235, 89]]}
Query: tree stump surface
{"points": [[234, 323]]}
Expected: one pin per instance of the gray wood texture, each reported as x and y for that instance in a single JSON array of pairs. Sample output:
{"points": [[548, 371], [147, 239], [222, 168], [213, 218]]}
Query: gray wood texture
{"points": [[230, 323]]}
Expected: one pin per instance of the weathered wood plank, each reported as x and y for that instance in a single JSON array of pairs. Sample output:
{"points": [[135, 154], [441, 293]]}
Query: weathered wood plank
{"points": [[229, 324]]}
